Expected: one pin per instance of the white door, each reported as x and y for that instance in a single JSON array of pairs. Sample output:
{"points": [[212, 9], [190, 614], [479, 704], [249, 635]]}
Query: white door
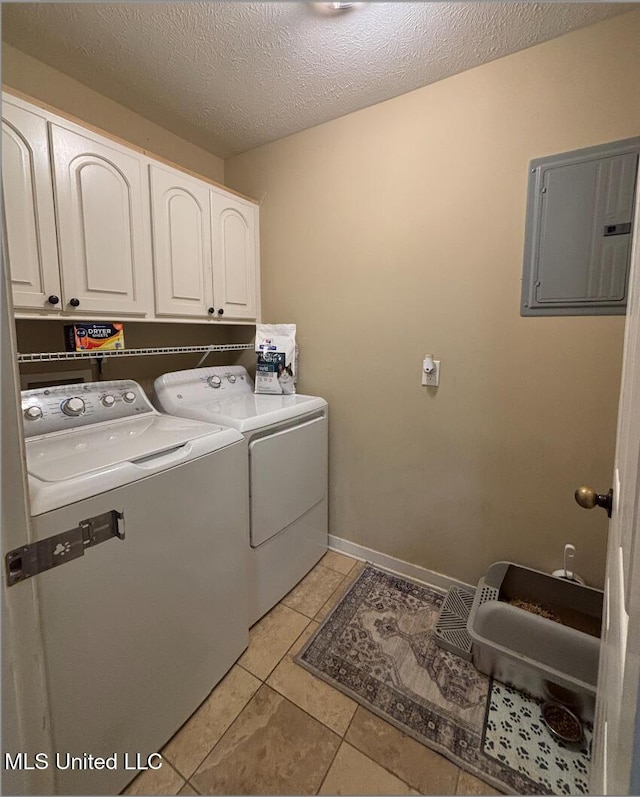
{"points": [[181, 230], [30, 243], [102, 224], [235, 257], [616, 762], [26, 723]]}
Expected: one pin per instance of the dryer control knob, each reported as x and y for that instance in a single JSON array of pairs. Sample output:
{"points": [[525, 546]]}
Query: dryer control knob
{"points": [[129, 396], [33, 413], [231, 378], [73, 406], [214, 381], [108, 400]]}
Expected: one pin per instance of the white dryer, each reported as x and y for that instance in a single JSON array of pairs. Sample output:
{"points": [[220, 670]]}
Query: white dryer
{"points": [[287, 439], [141, 518]]}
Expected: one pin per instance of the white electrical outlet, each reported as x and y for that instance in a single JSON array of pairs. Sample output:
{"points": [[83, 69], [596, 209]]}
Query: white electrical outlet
{"points": [[432, 379]]}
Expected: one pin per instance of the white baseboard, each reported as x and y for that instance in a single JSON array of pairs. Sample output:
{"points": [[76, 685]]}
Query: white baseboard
{"points": [[398, 566]]}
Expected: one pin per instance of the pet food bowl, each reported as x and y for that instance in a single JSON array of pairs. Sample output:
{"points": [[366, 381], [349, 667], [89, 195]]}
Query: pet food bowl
{"points": [[562, 723]]}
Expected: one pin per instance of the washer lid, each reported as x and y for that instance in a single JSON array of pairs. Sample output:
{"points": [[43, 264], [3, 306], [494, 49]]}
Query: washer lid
{"points": [[77, 453], [254, 411]]}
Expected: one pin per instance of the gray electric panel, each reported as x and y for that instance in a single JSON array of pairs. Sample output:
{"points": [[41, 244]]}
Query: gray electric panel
{"points": [[578, 231]]}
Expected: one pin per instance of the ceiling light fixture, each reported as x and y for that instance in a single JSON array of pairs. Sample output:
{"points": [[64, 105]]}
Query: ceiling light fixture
{"points": [[338, 6]]}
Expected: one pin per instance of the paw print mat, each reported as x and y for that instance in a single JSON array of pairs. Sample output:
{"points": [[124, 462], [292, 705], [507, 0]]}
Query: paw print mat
{"points": [[515, 735]]}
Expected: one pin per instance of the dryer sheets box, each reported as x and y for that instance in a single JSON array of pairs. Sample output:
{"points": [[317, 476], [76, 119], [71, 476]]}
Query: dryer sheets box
{"points": [[93, 336]]}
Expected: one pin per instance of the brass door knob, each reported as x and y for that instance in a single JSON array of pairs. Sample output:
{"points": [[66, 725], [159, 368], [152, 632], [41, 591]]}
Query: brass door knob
{"points": [[588, 498]]}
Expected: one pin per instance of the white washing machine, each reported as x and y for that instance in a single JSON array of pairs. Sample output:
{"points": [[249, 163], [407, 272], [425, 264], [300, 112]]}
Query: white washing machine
{"points": [[141, 518], [287, 439]]}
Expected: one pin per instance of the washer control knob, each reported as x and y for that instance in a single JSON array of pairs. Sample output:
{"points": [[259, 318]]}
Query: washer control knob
{"points": [[214, 381], [129, 396], [33, 413], [231, 378], [108, 400], [73, 406]]}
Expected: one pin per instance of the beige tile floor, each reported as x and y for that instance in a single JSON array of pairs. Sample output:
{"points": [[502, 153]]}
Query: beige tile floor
{"points": [[270, 727]]}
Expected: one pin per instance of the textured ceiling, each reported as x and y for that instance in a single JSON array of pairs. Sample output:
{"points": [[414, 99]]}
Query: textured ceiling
{"points": [[230, 76]]}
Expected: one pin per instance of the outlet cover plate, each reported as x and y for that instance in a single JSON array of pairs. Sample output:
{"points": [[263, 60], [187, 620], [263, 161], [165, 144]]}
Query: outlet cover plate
{"points": [[432, 379]]}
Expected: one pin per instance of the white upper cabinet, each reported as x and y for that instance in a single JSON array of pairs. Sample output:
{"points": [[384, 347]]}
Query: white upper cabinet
{"points": [[181, 243], [29, 230], [92, 227], [235, 257], [102, 224]]}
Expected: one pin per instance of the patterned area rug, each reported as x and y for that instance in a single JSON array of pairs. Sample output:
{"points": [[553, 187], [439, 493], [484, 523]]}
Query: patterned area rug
{"points": [[376, 646]]}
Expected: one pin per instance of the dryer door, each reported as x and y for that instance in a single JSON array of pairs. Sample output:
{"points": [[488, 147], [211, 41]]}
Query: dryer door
{"points": [[288, 476]]}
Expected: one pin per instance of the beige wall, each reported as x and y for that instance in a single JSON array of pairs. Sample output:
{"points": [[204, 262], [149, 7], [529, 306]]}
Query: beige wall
{"points": [[42, 82], [398, 230]]}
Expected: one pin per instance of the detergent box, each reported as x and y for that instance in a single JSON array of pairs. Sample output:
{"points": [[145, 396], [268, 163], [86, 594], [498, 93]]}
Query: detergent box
{"points": [[94, 336]]}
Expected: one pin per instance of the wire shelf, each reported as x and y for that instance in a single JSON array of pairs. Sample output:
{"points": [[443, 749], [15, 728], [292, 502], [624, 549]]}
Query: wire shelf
{"points": [[43, 357]]}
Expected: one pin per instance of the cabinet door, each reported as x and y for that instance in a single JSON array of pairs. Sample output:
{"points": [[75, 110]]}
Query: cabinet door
{"points": [[29, 231], [235, 257], [103, 225], [181, 233]]}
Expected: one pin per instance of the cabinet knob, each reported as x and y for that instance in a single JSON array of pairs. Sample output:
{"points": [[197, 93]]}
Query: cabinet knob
{"points": [[74, 302], [53, 299], [221, 311], [211, 311]]}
